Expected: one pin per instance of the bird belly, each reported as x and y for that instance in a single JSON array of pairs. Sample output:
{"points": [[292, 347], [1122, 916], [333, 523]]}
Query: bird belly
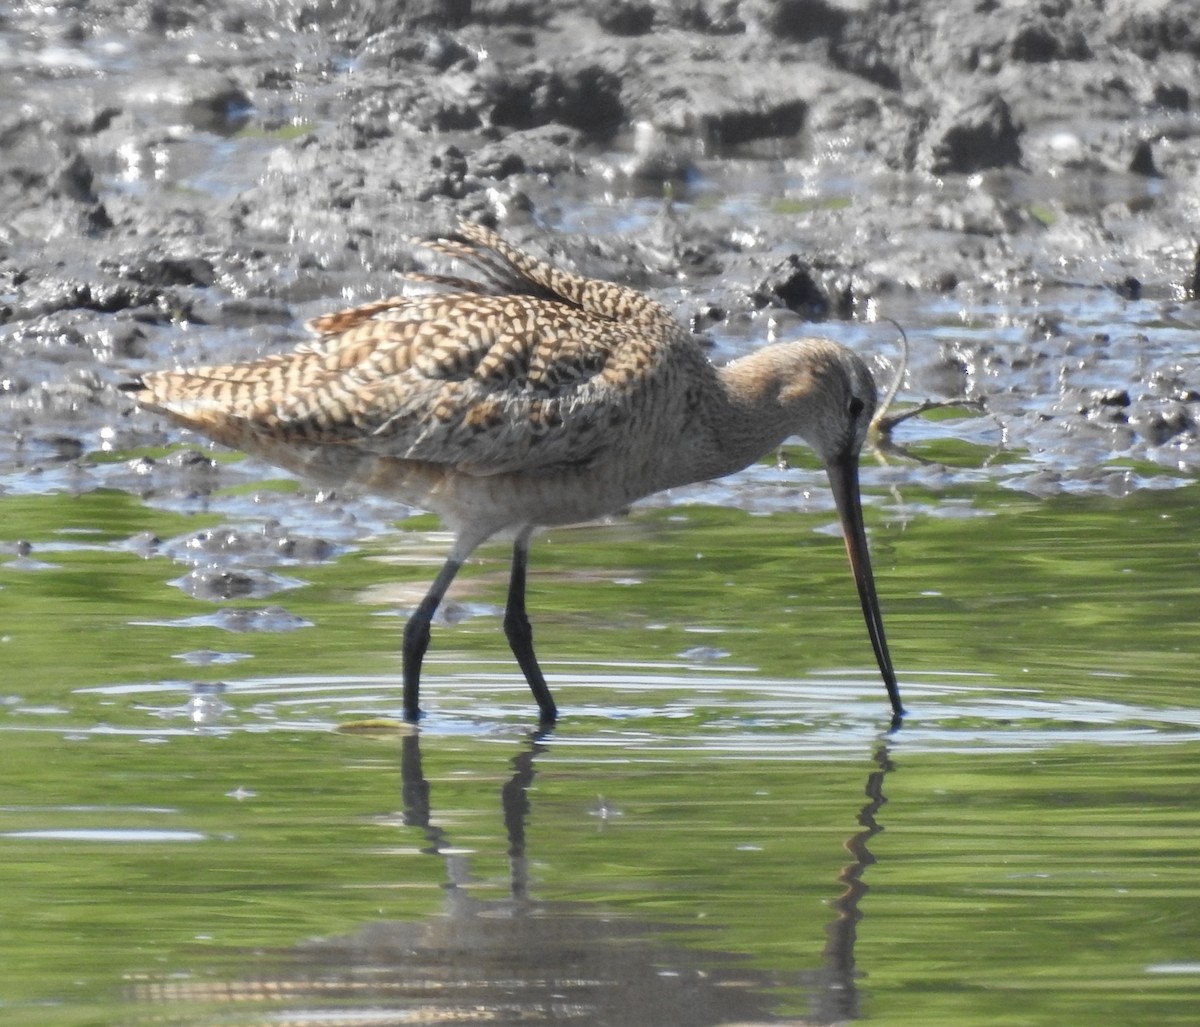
{"points": [[481, 503]]}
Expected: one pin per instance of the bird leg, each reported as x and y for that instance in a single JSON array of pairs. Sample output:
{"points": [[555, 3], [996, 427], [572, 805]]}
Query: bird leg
{"points": [[520, 634], [416, 636]]}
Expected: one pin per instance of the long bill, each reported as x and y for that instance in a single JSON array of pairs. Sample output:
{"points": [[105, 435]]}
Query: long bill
{"points": [[843, 478]]}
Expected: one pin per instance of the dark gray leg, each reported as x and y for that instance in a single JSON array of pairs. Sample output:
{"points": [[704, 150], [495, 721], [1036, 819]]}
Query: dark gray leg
{"points": [[520, 634], [416, 637]]}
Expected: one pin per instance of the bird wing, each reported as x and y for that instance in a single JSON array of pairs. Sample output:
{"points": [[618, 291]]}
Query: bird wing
{"points": [[505, 384], [535, 370]]}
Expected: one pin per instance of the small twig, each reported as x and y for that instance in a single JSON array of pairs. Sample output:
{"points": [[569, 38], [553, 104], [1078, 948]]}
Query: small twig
{"points": [[884, 425], [883, 422]]}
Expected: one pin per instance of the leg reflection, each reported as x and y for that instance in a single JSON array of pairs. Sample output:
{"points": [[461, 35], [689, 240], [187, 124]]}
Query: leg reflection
{"points": [[838, 999], [514, 802]]}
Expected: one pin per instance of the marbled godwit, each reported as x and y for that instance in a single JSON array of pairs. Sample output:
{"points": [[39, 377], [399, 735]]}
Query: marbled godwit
{"points": [[529, 397]]}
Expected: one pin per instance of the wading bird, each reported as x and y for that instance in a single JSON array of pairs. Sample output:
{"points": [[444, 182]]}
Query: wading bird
{"points": [[529, 396]]}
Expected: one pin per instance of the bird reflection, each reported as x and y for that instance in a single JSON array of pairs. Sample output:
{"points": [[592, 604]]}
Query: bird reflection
{"points": [[836, 997], [514, 802], [518, 959], [840, 999]]}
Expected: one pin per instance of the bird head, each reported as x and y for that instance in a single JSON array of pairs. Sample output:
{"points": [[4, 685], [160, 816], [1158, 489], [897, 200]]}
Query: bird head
{"points": [[829, 398]]}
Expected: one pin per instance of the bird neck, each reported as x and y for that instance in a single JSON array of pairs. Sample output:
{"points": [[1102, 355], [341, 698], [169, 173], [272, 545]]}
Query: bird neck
{"points": [[754, 419]]}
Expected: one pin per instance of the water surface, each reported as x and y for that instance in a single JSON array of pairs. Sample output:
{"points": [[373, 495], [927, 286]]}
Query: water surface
{"points": [[720, 831]]}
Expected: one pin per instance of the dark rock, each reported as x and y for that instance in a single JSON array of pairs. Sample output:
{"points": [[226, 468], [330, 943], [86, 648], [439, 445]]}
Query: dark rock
{"points": [[1172, 96], [1111, 397], [50, 295], [545, 150], [763, 120], [190, 460], [1045, 325], [804, 20], [302, 549], [1129, 288], [221, 109], [1045, 39], [626, 17], [792, 285], [443, 51], [232, 545], [120, 339], [218, 583], [101, 120], [587, 97], [975, 137], [75, 180], [1160, 424], [498, 162], [165, 271], [1142, 161], [448, 177], [866, 57]]}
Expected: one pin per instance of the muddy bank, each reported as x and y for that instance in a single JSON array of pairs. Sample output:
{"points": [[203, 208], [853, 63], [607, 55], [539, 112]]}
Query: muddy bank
{"points": [[180, 182]]}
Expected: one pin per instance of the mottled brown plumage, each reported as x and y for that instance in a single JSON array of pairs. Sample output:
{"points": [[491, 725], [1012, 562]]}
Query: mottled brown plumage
{"points": [[526, 396]]}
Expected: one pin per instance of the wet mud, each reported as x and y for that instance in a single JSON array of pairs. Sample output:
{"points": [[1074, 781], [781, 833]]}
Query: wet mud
{"points": [[1018, 184]]}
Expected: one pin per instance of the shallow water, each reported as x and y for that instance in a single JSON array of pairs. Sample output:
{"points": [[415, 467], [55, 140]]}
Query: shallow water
{"points": [[719, 831]]}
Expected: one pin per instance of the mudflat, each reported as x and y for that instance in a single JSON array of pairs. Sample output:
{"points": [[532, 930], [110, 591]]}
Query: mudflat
{"points": [[179, 183]]}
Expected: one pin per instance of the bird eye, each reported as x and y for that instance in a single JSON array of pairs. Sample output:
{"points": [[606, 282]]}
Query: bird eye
{"points": [[855, 408]]}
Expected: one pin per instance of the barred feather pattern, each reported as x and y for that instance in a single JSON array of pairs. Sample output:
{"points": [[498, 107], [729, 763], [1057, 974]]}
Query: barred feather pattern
{"points": [[527, 368]]}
